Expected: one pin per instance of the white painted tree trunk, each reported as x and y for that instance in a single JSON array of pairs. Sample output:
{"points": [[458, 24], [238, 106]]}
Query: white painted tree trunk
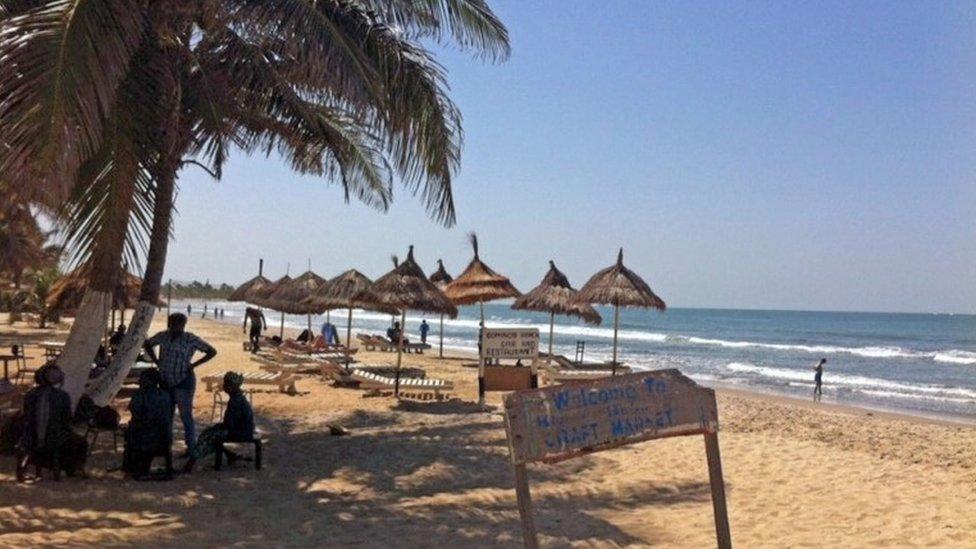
{"points": [[103, 388], [83, 341]]}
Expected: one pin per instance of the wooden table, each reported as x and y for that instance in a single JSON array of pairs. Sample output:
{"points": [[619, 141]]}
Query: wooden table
{"points": [[52, 349], [6, 364]]}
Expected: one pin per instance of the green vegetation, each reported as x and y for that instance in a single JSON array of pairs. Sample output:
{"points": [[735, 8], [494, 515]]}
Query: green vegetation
{"points": [[198, 290]]}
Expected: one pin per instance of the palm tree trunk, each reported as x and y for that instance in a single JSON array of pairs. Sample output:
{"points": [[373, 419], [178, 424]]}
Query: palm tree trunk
{"points": [[86, 332], [104, 388]]}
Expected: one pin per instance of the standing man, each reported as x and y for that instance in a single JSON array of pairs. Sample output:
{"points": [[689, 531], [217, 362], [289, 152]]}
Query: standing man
{"points": [[258, 323], [818, 380], [424, 328], [176, 365]]}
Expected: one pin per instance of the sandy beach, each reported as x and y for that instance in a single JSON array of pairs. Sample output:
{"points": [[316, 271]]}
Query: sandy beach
{"points": [[417, 474]]}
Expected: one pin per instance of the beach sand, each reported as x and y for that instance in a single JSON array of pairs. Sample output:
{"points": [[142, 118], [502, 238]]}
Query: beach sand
{"points": [[422, 474]]}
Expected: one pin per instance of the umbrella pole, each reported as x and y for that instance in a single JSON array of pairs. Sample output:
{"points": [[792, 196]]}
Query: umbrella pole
{"points": [[552, 320], [281, 331], [349, 330], [441, 353], [481, 357], [403, 324], [616, 322], [310, 333]]}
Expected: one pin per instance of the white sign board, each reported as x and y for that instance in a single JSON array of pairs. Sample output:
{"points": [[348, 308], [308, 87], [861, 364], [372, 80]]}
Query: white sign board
{"points": [[519, 343]]}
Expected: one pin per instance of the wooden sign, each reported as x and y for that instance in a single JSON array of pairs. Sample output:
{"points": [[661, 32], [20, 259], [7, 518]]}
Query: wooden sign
{"points": [[511, 343], [498, 343], [561, 422]]}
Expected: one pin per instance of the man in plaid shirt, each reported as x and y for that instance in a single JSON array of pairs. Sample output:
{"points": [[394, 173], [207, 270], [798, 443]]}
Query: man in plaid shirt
{"points": [[175, 363]]}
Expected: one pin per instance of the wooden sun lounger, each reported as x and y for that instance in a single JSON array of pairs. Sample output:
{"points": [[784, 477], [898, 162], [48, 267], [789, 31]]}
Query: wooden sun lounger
{"points": [[377, 343], [408, 386], [557, 375], [284, 381]]}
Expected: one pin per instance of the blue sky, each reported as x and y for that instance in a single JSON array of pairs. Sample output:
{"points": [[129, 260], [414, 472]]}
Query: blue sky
{"points": [[749, 155]]}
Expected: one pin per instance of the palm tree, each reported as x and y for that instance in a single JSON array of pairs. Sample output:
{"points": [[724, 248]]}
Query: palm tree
{"points": [[105, 102]]}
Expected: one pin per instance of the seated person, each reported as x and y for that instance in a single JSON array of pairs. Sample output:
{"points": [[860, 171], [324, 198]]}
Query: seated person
{"points": [[116, 340], [150, 431], [237, 426], [393, 334], [47, 439], [304, 337]]}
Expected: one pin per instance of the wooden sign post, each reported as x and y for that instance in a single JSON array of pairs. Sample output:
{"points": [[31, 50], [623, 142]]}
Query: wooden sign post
{"points": [[561, 422], [517, 343]]}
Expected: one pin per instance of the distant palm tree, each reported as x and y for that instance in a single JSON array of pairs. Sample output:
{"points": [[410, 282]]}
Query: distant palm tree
{"points": [[102, 104]]}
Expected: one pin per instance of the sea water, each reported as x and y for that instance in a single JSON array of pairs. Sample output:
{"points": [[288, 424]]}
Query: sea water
{"points": [[917, 363]]}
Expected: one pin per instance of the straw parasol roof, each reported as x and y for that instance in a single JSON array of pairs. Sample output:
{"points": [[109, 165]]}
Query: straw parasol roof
{"points": [[341, 293], [479, 283], [555, 295], [245, 290], [289, 297], [618, 285], [406, 287], [261, 296], [440, 278], [67, 292]]}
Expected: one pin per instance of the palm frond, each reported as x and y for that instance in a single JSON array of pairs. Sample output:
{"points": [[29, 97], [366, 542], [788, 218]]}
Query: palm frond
{"points": [[470, 23], [62, 64]]}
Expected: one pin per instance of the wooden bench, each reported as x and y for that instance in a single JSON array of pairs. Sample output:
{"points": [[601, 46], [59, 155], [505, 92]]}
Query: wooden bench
{"points": [[285, 382]]}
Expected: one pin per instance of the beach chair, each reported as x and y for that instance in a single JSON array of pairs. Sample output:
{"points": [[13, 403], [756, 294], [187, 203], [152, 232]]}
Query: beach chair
{"points": [[418, 348], [555, 375], [420, 388], [285, 382]]}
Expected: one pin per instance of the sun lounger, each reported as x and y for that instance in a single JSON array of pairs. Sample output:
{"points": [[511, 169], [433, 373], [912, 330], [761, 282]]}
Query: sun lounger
{"points": [[421, 388], [558, 375], [284, 381], [377, 343]]}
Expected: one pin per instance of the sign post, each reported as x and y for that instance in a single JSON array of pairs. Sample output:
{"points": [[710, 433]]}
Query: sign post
{"points": [[562, 422], [517, 343]]}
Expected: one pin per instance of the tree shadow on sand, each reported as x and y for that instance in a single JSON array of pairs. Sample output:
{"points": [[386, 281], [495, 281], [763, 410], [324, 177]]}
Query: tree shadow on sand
{"points": [[409, 479]]}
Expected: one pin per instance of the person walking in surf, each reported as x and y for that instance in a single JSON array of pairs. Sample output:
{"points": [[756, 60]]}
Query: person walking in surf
{"points": [[818, 380], [258, 324]]}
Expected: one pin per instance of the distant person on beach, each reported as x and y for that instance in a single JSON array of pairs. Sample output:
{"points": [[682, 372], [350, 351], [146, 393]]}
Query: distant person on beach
{"points": [[204, 315], [258, 324], [329, 333], [818, 380], [395, 333], [150, 431], [189, 309], [176, 365], [237, 426], [424, 328]]}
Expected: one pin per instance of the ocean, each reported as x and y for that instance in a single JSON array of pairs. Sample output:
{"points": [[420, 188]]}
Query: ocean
{"points": [[923, 364]]}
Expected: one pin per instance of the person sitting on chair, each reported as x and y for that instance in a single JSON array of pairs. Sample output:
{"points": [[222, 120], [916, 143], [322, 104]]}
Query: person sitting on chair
{"points": [[237, 426], [48, 440], [150, 431]]}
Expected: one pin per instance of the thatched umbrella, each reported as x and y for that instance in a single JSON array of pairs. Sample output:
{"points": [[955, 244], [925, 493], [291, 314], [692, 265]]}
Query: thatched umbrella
{"points": [[441, 279], [341, 292], [555, 295], [245, 290], [477, 284], [619, 286], [67, 292], [261, 298], [290, 297], [406, 287]]}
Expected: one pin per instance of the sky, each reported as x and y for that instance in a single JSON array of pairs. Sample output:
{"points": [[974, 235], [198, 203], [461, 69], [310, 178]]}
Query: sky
{"points": [[762, 155]]}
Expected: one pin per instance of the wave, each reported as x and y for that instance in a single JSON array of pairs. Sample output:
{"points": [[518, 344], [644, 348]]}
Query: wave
{"points": [[955, 356], [855, 382]]}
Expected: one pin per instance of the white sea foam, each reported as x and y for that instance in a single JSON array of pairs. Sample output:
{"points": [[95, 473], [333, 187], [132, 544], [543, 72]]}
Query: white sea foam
{"points": [[954, 356], [855, 382]]}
